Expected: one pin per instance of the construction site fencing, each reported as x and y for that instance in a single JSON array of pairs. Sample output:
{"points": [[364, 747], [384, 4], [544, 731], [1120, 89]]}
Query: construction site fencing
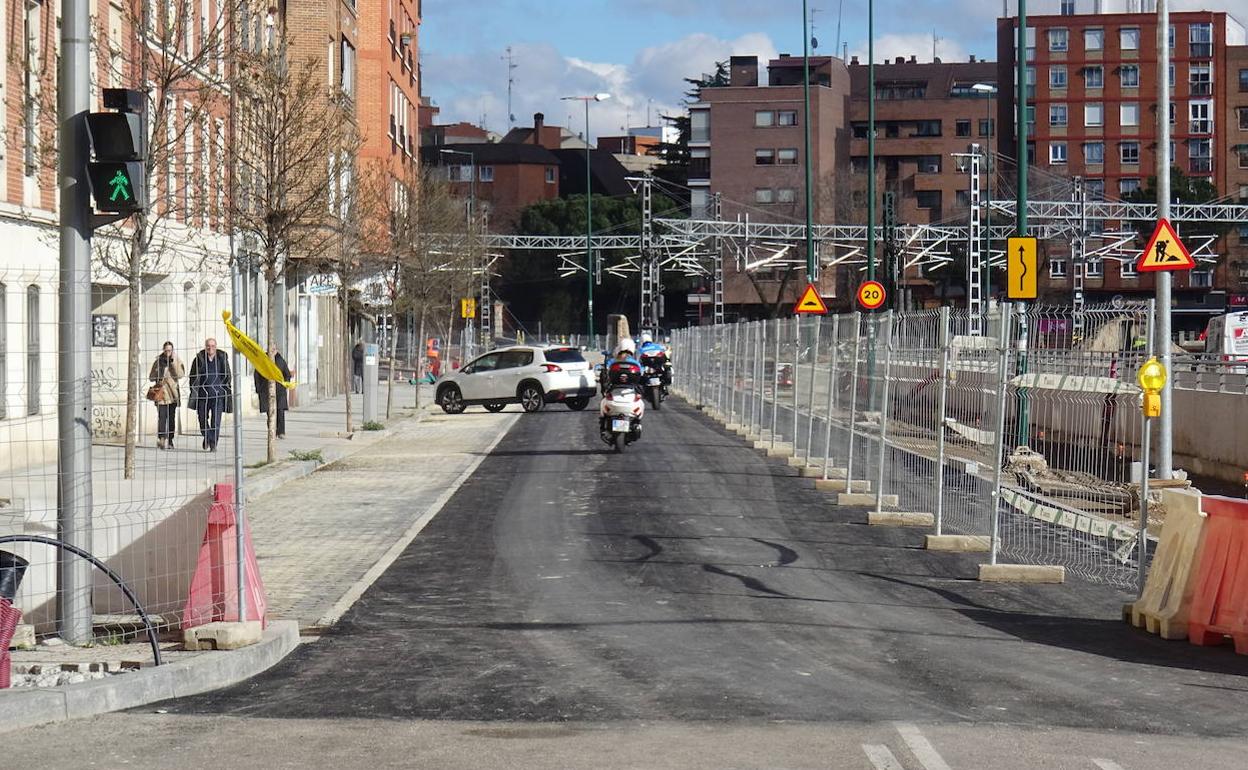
{"points": [[1027, 434]]}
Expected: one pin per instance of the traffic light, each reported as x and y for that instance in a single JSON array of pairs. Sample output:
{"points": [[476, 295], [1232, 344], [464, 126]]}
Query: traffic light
{"points": [[119, 148]]}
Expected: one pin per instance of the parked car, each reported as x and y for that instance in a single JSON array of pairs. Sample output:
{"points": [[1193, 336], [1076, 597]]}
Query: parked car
{"points": [[530, 376]]}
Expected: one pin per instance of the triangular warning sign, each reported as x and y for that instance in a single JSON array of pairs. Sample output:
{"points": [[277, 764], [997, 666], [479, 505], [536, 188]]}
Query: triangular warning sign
{"points": [[810, 303], [1165, 251]]}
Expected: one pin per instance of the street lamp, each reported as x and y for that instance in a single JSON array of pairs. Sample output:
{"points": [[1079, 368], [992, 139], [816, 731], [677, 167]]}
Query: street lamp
{"points": [[472, 178], [589, 212], [987, 89]]}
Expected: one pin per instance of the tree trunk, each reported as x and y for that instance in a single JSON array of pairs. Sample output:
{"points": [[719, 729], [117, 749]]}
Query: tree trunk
{"points": [[420, 354], [134, 367], [394, 339], [348, 366], [270, 329]]}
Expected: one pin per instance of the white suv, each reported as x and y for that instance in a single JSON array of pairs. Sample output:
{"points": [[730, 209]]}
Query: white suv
{"points": [[529, 376]]}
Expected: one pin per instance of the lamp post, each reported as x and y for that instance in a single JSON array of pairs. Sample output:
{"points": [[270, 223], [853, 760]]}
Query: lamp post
{"points": [[589, 215], [811, 267], [987, 89]]}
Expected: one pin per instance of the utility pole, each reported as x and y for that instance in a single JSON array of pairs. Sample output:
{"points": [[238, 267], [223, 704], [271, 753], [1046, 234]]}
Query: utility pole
{"points": [[1165, 445], [1024, 160], [812, 268], [870, 140], [74, 503]]}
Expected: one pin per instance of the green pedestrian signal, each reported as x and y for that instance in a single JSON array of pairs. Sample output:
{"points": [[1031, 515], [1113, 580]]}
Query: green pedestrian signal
{"points": [[121, 186]]}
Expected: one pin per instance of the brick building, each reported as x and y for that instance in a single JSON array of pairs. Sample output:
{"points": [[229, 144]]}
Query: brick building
{"points": [[1091, 113], [388, 91]]}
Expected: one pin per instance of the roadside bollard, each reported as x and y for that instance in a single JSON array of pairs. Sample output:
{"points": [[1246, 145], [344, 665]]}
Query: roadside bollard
{"points": [[370, 382], [12, 568]]}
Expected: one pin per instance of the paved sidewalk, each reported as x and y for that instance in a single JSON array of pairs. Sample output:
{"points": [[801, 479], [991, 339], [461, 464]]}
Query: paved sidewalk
{"points": [[320, 541]]}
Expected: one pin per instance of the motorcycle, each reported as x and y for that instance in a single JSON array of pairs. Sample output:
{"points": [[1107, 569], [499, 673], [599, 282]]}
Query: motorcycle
{"points": [[619, 417], [656, 375]]}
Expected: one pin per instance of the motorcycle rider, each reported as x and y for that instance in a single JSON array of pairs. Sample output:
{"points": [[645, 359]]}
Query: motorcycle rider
{"points": [[623, 369], [653, 350]]}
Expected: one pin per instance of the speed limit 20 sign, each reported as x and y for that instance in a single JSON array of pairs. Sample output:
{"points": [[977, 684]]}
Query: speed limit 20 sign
{"points": [[872, 295]]}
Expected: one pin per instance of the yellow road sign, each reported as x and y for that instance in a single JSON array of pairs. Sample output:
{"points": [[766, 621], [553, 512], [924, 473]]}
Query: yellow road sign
{"points": [[1023, 268], [1165, 251], [468, 308], [810, 303]]}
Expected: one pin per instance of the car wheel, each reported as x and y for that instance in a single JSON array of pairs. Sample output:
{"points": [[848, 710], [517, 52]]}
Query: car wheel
{"points": [[577, 404], [532, 399], [452, 400], [495, 407]]}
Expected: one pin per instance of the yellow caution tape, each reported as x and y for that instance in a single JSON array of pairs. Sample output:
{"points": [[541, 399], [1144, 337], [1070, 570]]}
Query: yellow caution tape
{"points": [[266, 366]]}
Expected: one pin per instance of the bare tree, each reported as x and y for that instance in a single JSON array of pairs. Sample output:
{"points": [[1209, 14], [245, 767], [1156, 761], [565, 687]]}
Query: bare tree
{"points": [[296, 145]]}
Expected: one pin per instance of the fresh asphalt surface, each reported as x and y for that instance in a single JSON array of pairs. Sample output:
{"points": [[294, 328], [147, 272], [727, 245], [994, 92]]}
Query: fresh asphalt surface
{"points": [[696, 590]]}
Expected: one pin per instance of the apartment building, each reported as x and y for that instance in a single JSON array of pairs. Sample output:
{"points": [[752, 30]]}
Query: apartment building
{"points": [[1091, 113]]}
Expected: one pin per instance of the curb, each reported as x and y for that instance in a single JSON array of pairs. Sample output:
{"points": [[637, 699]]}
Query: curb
{"points": [[208, 671]]}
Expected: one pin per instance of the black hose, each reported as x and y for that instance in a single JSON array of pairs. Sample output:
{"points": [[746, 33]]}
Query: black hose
{"points": [[125, 589]]}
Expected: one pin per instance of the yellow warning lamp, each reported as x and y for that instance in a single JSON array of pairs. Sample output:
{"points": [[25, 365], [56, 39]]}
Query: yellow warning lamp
{"points": [[1152, 379]]}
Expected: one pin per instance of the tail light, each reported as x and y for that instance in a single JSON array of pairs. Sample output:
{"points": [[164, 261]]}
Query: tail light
{"points": [[551, 368]]}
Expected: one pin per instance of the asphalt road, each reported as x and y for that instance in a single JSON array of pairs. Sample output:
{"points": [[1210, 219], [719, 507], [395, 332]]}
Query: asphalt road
{"points": [[691, 604]]}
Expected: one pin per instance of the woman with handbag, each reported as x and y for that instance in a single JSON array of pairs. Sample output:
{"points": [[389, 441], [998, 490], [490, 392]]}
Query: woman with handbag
{"points": [[167, 369]]}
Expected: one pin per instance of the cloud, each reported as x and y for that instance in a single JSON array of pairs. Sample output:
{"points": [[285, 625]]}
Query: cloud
{"points": [[465, 85]]}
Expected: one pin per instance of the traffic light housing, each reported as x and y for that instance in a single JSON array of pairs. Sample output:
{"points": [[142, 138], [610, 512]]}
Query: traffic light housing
{"points": [[119, 148]]}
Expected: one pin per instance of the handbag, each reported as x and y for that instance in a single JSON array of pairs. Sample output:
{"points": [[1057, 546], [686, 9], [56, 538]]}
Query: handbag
{"points": [[153, 393]]}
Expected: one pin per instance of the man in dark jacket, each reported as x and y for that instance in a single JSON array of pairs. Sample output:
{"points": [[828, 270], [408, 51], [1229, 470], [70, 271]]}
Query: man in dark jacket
{"points": [[211, 391], [283, 400], [357, 368]]}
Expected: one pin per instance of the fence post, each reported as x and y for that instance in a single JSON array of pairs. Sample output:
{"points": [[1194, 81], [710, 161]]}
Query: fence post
{"points": [[775, 386], [814, 364], [853, 402], [887, 340], [946, 349], [827, 433], [756, 389], [1003, 351]]}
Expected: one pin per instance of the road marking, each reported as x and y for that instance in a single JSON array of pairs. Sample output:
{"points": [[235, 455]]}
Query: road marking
{"points": [[921, 748], [1106, 764], [881, 758]]}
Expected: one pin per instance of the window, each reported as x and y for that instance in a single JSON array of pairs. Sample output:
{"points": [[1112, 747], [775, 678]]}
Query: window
{"points": [[347, 64], [962, 199], [1127, 269], [1243, 80], [1129, 76], [764, 195], [1200, 151], [786, 195], [699, 203], [1096, 268], [1030, 74], [901, 91], [927, 128], [1130, 155], [515, 359], [1200, 78], [32, 349], [700, 163], [962, 128], [486, 363], [1031, 118], [786, 118], [1057, 115], [987, 126], [1093, 114], [786, 157], [1128, 186], [764, 119], [860, 130], [1068, 7], [1129, 114], [1202, 279], [1059, 39], [699, 125], [927, 199], [1094, 76], [1201, 122], [550, 175], [929, 164], [764, 157], [486, 173], [1094, 153], [1129, 38], [1093, 39], [1057, 77], [1057, 268], [892, 130], [1057, 153], [1200, 40], [1242, 114], [1242, 154]]}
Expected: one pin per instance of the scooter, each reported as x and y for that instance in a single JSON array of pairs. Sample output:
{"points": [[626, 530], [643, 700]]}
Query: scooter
{"points": [[654, 379], [619, 421]]}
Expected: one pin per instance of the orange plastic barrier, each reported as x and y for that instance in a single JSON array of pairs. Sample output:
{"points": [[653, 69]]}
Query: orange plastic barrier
{"points": [[1220, 602], [214, 588]]}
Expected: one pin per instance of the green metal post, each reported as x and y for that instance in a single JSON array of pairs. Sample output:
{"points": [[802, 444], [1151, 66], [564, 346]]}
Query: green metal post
{"points": [[1024, 428], [589, 234], [810, 236], [870, 140]]}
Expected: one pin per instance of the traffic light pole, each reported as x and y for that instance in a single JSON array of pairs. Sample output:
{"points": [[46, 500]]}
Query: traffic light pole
{"points": [[74, 501]]}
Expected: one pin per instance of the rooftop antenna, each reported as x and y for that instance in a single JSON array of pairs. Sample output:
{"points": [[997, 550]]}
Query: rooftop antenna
{"points": [[840, 13], [935, 40], [511, 82], [814, 41]]}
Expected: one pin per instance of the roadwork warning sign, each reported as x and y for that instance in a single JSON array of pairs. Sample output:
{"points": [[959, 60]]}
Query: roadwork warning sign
{"points": [[1165, 251]]}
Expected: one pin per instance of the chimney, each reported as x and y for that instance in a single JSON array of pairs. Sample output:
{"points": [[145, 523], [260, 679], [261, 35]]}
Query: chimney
{"points": [[853, 62], [538, 121], [972, 58], [935, 60], [900, 60], [743, 71], [914, 59]]}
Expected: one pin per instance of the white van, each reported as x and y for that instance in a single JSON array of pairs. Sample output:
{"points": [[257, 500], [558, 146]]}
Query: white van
{"points": [[1226, 336]]}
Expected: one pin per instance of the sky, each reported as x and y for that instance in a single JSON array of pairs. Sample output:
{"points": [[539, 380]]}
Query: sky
{"points": [[640, 50]]}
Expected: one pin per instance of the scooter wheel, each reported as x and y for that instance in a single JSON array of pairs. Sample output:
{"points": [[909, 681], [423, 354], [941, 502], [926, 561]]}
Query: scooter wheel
{"points": [[621, 441]]}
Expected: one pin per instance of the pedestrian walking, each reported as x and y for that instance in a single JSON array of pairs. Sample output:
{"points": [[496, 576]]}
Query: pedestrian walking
{"points": [[211, 392], [357, 367], [283, 400], [167, 369]]}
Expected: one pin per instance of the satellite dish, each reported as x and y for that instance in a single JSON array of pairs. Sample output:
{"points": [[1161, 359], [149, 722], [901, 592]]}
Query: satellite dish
{"points": [[814, 42]]}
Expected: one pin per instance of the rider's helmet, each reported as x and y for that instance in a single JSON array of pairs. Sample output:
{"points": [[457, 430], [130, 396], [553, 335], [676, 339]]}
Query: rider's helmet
{"points": [[626, 347], [646, 337]]}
